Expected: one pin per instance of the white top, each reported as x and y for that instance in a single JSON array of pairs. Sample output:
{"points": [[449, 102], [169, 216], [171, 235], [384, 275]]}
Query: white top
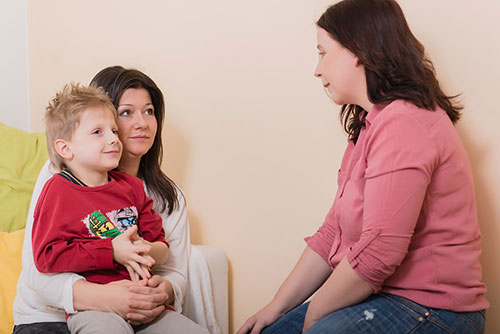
{"points": [[45, 297]]}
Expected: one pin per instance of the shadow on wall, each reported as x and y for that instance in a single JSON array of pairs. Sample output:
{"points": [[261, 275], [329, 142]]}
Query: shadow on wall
{"points": [[490, 228]]}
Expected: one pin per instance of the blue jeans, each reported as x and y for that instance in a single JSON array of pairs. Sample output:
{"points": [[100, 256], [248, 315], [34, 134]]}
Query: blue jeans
{"points": [[383, 313]]}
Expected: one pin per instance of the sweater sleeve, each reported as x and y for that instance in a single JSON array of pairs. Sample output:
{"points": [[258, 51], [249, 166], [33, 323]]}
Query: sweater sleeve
{"points": [[57, 247], [175, 270], [38, 292], [400, 160], [150, 223]]}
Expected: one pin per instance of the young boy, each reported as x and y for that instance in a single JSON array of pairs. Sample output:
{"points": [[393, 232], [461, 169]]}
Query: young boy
{"points": [[87, 217]]}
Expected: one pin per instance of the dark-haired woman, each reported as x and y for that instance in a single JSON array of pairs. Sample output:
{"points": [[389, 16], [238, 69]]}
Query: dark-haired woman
{"points": [[42, 299], [399, 250]]}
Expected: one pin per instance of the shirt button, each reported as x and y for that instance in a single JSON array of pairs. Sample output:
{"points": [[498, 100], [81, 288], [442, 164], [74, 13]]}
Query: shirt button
{"points": [[420, 319]]}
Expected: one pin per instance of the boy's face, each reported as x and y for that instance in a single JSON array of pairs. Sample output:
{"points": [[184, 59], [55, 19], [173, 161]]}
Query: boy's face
{"points": [[94, 145]]}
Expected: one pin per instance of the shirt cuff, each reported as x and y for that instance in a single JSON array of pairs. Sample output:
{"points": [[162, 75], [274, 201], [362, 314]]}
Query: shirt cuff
{"points": [[68, 296], [104, 254]]}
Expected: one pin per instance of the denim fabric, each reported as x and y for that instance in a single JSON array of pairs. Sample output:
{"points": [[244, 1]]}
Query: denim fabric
{"points": [[42, 328], [384, 313]]}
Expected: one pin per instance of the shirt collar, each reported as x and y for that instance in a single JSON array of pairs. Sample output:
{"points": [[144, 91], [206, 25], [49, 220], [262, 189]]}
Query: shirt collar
{"points": [[374, 111]]}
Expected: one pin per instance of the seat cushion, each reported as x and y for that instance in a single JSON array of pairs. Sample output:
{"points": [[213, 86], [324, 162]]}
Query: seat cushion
{"points": [[11, 245]]}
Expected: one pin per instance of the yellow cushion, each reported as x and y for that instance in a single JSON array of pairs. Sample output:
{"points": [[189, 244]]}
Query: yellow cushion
{"points": [[11, 245], [23, 155]]}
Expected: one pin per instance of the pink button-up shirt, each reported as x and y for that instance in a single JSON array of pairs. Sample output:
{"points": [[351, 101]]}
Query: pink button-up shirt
{"points": [[405, 213]]}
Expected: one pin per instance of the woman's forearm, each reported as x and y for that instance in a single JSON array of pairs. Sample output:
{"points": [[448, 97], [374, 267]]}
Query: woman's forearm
{"points": [[343, 288], [90, 296], [306, 277]]}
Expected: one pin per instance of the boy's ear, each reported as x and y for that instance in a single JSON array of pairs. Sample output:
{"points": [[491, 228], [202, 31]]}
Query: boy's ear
{"points": [[63, 149]]}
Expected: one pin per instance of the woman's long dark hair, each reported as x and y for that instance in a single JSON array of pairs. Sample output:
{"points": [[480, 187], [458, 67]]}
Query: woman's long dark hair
{"points": [[115, 80], [395, 63]]}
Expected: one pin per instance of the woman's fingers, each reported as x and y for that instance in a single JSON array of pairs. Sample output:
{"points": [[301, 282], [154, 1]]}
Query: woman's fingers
{"points": [[256, 323], [146, 297], [252, 325], [247, 326], [138, 316]]}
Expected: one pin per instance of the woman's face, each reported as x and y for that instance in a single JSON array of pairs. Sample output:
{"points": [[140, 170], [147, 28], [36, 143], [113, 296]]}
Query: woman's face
{"points": [[136, 123], [339, 70]]}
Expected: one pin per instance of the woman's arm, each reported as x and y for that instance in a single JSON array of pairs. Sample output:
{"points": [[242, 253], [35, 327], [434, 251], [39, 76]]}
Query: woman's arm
{"points": [[308, 275], [36, 291], [124, 298], [343, 288], [175, 270]]}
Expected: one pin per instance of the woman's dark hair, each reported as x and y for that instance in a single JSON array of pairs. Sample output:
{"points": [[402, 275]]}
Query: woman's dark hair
{"points": [[396, 66], [115, 80]]}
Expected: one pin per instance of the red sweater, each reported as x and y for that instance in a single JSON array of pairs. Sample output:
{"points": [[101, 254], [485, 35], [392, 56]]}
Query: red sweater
{"points": [[73, 225]]}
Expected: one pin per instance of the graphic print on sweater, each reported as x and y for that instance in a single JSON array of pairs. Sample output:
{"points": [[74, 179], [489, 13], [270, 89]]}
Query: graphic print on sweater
{"points": [[111, 224]]}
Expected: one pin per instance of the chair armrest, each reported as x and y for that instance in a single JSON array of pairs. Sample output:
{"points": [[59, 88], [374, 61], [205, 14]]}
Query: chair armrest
{"points": [[218, 268]]}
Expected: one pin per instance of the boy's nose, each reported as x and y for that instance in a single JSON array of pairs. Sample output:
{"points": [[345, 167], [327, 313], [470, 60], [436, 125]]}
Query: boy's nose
{"points": [[113, 138]]}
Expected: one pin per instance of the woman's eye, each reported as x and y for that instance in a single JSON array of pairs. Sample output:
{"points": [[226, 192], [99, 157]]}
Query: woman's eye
{"points": [[321, 53], [124, 113], [149, 111]]}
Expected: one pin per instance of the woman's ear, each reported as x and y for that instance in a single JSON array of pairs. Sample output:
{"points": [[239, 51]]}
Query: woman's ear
{"points": [[63, 149], [357, 62]]}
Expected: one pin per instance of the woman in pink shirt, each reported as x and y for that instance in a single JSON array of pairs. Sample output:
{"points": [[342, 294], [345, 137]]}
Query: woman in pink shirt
{"points": [[399, 250]]}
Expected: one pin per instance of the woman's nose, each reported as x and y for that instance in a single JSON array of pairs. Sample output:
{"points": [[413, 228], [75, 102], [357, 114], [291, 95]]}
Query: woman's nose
{"points": [[317, 73], [139, 120]]}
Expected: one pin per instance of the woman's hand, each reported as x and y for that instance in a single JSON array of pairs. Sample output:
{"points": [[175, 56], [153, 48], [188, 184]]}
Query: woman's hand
{"points": [[139, 302], [145, 309], [307, 276], [256, 323]]}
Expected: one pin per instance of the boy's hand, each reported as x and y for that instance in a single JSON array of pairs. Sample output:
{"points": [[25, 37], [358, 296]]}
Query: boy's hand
{"points": [[131, 254], [135, 276]]}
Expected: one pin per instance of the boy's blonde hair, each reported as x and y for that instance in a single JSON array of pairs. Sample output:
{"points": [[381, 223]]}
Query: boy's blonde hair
{"points": [[63, 114]]}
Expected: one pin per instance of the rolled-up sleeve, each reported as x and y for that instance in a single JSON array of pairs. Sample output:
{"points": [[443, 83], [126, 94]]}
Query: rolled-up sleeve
{"points": [[399, 163], [321, 242]]}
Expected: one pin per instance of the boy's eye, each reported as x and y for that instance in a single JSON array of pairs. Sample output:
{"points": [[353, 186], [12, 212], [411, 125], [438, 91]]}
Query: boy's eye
{"points": [[98, 131], [115, 131], [321, 53]]}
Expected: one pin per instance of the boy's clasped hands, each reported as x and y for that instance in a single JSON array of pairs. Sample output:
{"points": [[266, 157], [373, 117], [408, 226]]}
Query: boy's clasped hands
{"points": [[132, 251]]}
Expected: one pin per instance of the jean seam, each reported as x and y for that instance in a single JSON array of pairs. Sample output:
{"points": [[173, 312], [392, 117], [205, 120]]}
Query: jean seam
{"points": [[418, 308], [470, 321], [437, 322], [413, 307]]}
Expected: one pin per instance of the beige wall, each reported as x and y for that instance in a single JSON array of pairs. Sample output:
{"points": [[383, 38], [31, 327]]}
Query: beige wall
{"points": [[251, 136], [14, 64]]}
